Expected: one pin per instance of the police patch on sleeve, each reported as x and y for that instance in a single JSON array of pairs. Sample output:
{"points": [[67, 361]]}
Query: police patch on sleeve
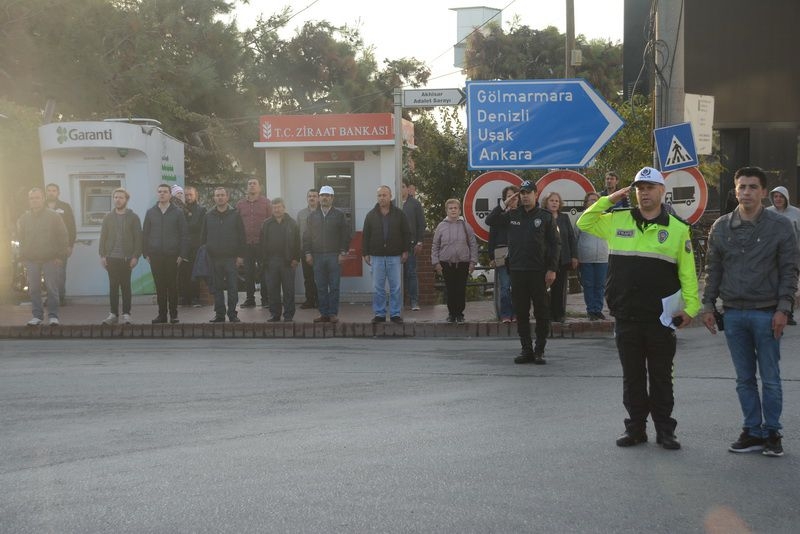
{"points": [[688, 245]]}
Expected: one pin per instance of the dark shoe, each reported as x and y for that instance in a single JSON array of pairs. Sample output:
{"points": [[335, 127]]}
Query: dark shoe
{"points": [[668, 441], [600, 316], [630, 438], [558, 319], [249, 303], [159, 320], [526, 355], [322, 319], [218, 319], [234, 319], [378, 319], [264, 304], [459, 318], [274, 319], [773, 446], [791, 321], [307, 305], [288, 319], [538, 357], [747, 443], [173, 320], [450, 319], [333, 319], [592, 316], [397, 319]]}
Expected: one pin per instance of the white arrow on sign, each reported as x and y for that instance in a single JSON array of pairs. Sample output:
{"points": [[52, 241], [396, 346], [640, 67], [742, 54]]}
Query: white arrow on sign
{"points": [[430, 98]]}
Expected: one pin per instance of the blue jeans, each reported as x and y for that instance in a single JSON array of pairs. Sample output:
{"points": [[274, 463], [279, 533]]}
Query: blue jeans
{"points": [[386, 268], [327, 273], [410, 278], [34, 270], [504, 285], [593, 280], [226, 276], [752, 345]]}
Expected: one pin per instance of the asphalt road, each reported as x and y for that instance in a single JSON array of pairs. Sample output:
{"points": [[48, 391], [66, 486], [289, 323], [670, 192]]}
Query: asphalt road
{"points": [[360, 435]]}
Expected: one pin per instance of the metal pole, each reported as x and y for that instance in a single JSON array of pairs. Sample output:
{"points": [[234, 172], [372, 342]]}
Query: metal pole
{"points": [[398, 145], [570, 45]]}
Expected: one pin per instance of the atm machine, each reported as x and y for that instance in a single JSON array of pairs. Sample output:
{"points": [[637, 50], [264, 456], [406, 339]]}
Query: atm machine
{"points": [[88, 160]]}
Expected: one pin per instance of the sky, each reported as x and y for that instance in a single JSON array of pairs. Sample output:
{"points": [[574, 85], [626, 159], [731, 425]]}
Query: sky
{"points": [[426, 29]]}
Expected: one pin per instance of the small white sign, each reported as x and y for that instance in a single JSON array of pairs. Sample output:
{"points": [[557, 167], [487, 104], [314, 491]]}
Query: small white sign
{"points": [[431, 98], [699, 110]]}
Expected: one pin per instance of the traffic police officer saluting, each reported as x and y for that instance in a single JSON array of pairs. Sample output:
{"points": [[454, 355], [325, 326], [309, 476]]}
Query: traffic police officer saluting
{"points": [[650, 258]]}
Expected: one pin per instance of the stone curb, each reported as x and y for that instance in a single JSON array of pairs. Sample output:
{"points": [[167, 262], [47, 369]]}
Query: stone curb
{"points": [[569, 330]]}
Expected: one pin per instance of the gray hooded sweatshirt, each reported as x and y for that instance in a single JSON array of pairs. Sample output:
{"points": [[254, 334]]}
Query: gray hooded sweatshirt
{"points": [[790, 212]]}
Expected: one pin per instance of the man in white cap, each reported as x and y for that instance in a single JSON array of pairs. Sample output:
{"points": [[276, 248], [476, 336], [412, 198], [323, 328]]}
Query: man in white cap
{"points": [[781, 205], [326, 242], [650, 258]]}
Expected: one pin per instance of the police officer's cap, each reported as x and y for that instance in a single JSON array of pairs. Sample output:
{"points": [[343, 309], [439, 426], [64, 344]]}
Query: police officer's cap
{"points": [[528, 185]]}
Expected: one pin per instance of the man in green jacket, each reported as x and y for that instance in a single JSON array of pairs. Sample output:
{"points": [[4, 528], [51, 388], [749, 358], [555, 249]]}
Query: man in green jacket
{"points": [[43, 243], [651, 290]]}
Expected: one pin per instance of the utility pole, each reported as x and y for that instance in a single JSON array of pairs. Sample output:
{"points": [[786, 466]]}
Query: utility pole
{"points": [[570, 45]]}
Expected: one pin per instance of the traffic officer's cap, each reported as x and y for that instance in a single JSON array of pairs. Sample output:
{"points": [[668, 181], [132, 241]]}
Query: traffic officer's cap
{"points": [[528, 185], [649, 175]]}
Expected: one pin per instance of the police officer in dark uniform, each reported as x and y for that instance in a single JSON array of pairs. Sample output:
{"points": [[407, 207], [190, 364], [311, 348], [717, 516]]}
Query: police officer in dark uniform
{"points": [[650, 258], [534, 249]]}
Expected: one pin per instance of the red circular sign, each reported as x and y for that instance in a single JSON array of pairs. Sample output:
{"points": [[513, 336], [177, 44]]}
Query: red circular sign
{"points": [[483, 194], [687, 193]]}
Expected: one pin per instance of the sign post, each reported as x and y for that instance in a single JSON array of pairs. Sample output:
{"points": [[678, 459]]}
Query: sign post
{"points": [[532, 124]]}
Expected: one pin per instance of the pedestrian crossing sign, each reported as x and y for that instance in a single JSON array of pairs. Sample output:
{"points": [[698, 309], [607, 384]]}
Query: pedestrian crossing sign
{"points": [[675, 147]]}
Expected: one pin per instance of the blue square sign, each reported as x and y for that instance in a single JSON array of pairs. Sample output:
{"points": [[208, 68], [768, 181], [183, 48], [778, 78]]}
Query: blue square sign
{"points": [[675, 147]]}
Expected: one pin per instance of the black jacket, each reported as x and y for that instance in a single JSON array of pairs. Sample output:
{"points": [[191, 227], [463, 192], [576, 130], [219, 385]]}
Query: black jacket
{"points": [[533, 241], [131, 235], [65, 210], [569, 242], [416, 219], [223, 233], [195, 216], [165, 234], [280, 240], [327, 234], [399, 239], [498, 232]]}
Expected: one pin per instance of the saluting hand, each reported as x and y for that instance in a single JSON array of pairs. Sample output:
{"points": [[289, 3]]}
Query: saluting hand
{"points": [[619, 194]]}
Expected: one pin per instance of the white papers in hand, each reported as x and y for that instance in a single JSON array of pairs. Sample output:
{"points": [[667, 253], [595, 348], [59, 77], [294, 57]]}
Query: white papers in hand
{"points": [[672, 305]]}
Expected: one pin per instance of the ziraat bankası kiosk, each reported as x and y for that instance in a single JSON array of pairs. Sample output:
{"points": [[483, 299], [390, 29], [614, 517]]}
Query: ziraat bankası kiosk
{"points": [[88, 160], [352, 152]]}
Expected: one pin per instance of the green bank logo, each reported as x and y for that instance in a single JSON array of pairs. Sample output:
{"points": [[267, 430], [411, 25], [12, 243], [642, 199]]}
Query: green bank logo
{"points": [[75, 134]]}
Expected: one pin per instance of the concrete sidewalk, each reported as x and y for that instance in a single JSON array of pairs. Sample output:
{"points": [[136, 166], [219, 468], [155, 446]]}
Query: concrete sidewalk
{"points": [[82, 316]]}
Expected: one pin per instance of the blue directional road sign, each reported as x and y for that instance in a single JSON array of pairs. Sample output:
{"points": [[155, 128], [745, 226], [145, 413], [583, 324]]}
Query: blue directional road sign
{"points": [[531, 124], [675, 147]]}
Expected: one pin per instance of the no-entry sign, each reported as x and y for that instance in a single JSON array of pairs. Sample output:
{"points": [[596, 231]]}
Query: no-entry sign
{"points": [[482, 195]]}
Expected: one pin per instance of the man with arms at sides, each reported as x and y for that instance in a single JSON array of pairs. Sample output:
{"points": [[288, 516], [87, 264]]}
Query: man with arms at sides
{"points": [[280, 248], [165, 242], [120, 248], [65, 210], [416, 223], [312, 203], [387, 239], [254, 209], [751, 264]]}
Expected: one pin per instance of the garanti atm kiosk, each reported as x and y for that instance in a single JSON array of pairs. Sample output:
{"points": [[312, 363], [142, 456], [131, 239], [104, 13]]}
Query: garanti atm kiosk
{"points": [[88, 160]]}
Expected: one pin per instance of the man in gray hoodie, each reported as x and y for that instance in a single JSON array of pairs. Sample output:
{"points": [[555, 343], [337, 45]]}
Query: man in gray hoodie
{"points": [[781, 205]]}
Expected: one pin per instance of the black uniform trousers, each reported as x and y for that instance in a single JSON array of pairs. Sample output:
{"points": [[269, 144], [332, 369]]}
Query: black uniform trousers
{"points": [[165, 277], [646, 351], [527, 287]]}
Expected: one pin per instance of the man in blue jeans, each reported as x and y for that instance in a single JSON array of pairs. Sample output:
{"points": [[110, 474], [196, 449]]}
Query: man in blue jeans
{"points": [[326, 243], [752, 265], [386, 241]]}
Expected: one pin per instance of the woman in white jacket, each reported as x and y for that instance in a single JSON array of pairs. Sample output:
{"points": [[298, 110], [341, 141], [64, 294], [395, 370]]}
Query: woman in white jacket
{"points": [[593, 260]]}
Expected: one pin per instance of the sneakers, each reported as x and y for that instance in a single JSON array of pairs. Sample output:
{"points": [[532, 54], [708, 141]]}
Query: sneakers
{"points": [[321, 319], [34, 322], [218, 319], [126, 318], [333, 319], [748, 443], [773, 447], [459, 318], [111, 319], [249, 303], [414, 306], [159, 320], [55, 322], [450, 319], [274, 319], [630, 438]]}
